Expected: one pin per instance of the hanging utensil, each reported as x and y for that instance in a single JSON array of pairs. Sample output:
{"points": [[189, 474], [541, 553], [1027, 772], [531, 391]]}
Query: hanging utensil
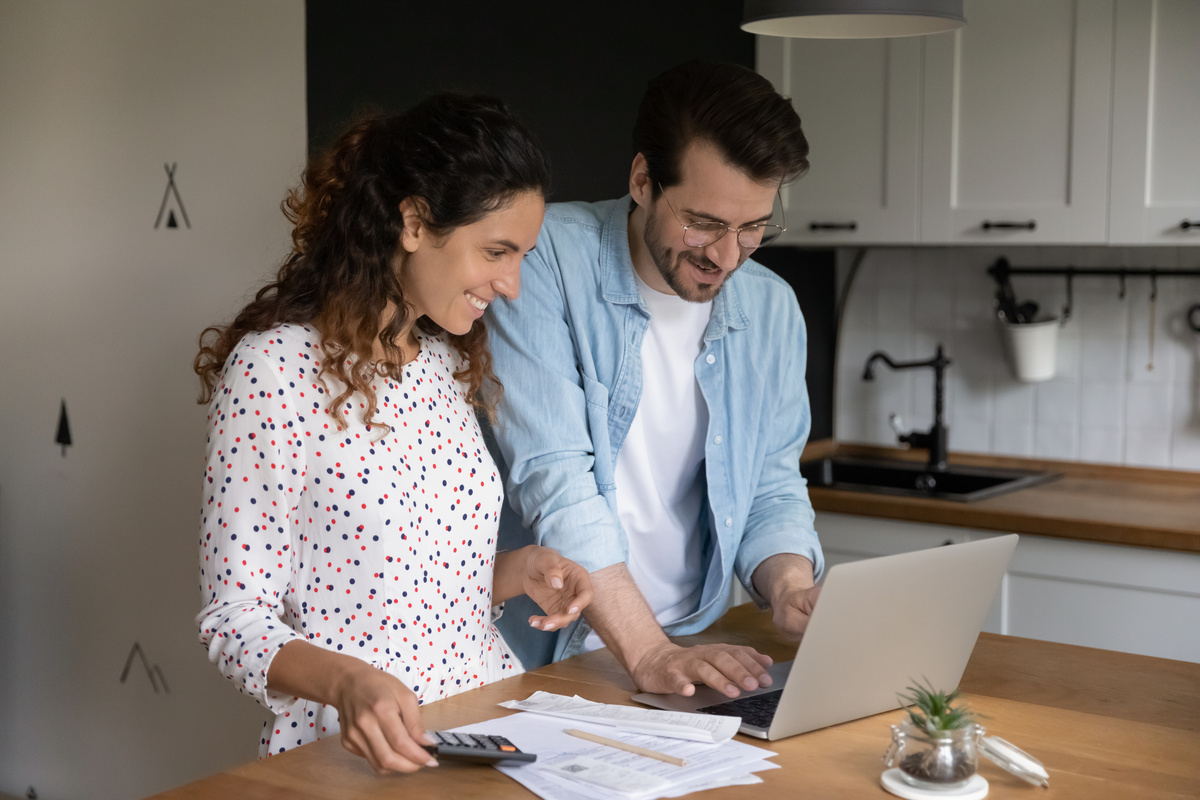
{"points": [[1006, 298], [1153, 305]]}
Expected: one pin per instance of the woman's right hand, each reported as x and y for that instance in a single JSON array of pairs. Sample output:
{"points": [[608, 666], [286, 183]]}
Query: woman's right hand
{"points": [[381, 721], [380, 716]]}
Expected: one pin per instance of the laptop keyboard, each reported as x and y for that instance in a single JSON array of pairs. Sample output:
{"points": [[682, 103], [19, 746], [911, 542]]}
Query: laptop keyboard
{"points": [[756, 710]]}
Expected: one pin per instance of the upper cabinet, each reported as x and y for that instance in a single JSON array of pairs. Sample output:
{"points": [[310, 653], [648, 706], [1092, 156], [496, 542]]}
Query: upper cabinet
{"points": [[859, 101], [1156, 124], [1015, 124], [1041, 121]]}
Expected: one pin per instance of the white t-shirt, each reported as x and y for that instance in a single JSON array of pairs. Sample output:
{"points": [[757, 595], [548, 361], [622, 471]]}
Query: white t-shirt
{"points": [[659, 470]]}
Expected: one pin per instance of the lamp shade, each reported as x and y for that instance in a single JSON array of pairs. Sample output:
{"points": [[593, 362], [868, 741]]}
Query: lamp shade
{"points": [[851, 19]]}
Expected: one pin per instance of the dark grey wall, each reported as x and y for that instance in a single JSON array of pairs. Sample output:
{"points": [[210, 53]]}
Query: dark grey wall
{"points": [[574, 72], [813, 276]]}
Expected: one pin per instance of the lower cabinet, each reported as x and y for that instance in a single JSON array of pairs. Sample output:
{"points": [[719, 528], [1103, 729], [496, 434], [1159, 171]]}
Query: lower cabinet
{"points": [[1131, 599]]}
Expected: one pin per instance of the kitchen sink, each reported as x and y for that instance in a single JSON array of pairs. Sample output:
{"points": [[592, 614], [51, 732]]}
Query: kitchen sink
{"points": [[915, 479]]}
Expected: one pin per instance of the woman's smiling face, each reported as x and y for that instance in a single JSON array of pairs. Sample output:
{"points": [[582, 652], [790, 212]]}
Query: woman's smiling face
{"points": [[452, 279]]}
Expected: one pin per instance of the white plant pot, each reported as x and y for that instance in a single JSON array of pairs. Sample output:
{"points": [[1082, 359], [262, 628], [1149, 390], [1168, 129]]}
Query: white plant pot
{"points": [[1032, 348]]}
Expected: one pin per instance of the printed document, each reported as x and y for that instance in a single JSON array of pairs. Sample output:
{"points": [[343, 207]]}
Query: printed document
{"points": [[569, 768], [676, 724]]}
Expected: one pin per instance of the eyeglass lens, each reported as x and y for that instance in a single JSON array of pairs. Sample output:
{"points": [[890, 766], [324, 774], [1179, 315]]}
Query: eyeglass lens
{"points": [[704, 234]]}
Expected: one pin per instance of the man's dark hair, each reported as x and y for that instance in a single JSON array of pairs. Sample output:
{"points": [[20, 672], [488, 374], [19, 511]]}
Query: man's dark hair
{"points": [[734, 108]]}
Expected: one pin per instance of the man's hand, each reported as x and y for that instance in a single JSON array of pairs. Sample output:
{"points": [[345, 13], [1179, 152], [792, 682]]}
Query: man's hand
{"points": [[560, 586], [792, 612], [727, 668], [625, 622], [786, 581]]}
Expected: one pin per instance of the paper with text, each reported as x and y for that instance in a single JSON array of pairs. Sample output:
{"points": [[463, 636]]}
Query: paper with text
{"points": [[675, 724], [709, 765]]}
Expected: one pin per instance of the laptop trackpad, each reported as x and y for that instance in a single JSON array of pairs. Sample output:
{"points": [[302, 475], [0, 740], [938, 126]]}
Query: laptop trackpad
{"points": [[706, 696]]}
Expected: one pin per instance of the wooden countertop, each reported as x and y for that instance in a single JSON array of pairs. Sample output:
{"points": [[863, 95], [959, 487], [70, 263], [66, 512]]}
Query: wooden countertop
{"points": [[1106, 725], [1098, 503]]}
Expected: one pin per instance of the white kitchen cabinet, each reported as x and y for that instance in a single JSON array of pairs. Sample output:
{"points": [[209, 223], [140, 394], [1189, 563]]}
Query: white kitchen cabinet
{"points": [[1015, 120], [1156, 117], [859, 102], [1079, 116], [1131, 599]]}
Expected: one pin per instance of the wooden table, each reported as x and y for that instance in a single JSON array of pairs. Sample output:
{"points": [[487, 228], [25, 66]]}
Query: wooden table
{"points": [[1107, 725]]}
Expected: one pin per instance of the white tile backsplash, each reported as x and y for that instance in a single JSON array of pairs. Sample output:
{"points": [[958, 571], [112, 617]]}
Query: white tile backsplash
{"points": [[1057, 401], [1148, 405], [1013, 439], [1102, 406], [1014, 403], [1102, 445], [1058, 441], [1148, 447]]}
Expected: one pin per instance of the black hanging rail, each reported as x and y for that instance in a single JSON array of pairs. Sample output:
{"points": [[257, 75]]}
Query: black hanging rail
{"points": [[1002, 270]]}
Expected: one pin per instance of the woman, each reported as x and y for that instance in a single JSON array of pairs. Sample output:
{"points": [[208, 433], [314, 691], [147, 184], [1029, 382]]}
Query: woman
{"points": [[348, 539]]}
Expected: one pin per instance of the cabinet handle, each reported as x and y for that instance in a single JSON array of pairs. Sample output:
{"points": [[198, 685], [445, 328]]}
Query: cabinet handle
{"points": [[833, 226], [1023, 226], [1187, 223]]}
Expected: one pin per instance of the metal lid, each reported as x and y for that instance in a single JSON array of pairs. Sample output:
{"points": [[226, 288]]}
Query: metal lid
{"points": [[1015, 760]]}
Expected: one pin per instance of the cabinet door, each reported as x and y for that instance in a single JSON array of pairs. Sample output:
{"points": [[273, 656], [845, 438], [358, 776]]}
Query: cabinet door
{"points": [[1156, 114], [1016, 124], [1131, 599], [859, 102]]}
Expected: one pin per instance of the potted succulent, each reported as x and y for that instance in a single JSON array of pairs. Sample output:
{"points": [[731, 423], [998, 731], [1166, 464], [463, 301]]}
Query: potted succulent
{"points": [[935, 748]]}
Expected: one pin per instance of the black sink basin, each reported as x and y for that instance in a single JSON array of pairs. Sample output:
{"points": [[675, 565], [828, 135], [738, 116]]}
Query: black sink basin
{"points": [[914, 479]]}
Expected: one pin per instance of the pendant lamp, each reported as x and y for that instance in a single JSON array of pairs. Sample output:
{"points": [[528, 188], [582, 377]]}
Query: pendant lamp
{"points": [[851, 19]]}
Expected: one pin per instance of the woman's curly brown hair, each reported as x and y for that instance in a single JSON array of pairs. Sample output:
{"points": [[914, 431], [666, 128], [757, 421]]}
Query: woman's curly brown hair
{"points": [[463, 157]]}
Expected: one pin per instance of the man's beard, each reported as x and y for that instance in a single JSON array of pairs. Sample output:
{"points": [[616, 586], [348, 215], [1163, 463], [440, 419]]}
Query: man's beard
{"points": [[671, 267]]}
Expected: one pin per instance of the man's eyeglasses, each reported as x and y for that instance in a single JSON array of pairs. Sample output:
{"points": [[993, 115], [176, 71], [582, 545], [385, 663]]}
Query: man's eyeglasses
{"points": [[749, 237]]}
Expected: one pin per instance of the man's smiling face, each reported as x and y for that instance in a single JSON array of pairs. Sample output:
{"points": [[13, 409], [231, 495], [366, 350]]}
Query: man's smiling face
{"points": [[710, 190]]}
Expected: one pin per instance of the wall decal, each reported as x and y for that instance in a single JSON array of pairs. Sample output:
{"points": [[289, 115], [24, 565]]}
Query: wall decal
{"points": [[63, 436], [171, 189], [154, 673]]}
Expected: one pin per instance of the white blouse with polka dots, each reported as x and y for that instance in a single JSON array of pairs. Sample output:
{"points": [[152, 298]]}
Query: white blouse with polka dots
{"points": [[380, 547]]}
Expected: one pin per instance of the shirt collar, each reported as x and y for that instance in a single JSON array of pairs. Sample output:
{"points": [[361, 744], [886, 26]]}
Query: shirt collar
{"points": [[618, 285]]}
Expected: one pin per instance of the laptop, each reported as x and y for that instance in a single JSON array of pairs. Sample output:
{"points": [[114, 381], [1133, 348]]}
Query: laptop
{"points": [[869, 638]]}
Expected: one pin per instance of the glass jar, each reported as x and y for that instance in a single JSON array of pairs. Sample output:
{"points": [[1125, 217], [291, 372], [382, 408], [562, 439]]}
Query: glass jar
{"points": [[945, 762]]}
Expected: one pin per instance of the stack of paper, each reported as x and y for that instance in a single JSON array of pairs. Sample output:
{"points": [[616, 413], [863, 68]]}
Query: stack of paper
{"points": [[570, 768], [676, 724]]}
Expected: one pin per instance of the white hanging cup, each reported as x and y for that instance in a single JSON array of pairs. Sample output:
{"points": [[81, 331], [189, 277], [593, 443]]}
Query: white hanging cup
{"points": [[1032, 348]]}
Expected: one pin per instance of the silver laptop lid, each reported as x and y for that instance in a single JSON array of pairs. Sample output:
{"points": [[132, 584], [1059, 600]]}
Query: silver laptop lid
{"points": [[871, 635], [884, 623]]}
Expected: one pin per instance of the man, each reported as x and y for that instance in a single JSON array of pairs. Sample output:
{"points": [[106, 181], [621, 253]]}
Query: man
{"points": [[654, 408]]}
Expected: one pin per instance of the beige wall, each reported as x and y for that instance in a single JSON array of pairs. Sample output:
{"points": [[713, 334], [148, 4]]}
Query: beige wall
{"points": [[98, 549]]}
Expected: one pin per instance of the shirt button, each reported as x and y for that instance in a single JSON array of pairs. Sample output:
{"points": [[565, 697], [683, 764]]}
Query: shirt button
{"points": [[710, 358], [729, 522], [717, 439]]}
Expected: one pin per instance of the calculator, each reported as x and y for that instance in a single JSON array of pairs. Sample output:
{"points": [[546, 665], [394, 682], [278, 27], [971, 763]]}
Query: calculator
{"points": [[476, 747]]}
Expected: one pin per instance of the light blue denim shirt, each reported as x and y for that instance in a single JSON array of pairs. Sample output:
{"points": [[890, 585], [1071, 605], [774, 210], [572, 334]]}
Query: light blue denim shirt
{"points": [[568, 352]]}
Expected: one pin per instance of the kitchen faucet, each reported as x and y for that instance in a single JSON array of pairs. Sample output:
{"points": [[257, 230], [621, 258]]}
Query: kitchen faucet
{"points": [[933, 440]]}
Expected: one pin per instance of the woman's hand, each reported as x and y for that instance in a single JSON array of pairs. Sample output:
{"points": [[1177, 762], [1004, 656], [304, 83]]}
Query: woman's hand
{"points": [[381, 721], [380, 716], [560, 586]]}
